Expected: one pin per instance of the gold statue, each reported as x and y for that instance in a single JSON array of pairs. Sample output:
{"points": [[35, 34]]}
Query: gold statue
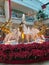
{"points": [[6, 27], [41, 26]]}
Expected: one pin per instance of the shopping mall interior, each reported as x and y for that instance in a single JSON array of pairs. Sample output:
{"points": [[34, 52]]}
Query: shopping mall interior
{"points": [[24, 32]]}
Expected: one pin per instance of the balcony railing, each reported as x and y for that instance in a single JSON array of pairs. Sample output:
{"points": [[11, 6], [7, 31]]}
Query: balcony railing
{"points": [[19, 20]]}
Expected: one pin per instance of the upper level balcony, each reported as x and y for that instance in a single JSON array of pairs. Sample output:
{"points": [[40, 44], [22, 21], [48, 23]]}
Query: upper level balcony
{"points": [[14, 20], [29, 21]]}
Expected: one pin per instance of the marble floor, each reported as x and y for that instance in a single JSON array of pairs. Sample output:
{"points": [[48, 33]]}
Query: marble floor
{"points": [[43, 63]]}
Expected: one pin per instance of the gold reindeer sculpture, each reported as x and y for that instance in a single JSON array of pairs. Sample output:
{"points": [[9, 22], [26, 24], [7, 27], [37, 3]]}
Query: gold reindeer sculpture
{"points": [[6, 27]]}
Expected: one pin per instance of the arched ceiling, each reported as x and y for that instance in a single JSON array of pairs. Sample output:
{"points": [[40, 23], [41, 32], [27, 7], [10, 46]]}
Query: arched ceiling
{"points": [[34, 4], [22, 8]]}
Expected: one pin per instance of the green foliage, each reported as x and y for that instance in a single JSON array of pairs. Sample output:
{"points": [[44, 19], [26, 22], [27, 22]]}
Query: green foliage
{"points": [[41, 15]]}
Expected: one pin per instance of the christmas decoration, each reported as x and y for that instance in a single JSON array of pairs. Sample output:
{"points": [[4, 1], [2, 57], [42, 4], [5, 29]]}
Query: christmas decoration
{"points": [[24, 53], [41, 26], [41, 15], [6, 27], [44, 5]]}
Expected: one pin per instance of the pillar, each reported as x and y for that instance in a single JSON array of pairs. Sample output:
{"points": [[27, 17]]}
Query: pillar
{"points": [[7, 9]]}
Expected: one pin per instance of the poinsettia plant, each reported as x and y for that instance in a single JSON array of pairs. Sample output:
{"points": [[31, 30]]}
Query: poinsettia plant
{"points": [[24, 53]]}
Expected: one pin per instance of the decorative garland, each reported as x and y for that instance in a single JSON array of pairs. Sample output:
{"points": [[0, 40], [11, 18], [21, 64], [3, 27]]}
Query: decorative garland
{"points": [[41, 15], [24, 53]]}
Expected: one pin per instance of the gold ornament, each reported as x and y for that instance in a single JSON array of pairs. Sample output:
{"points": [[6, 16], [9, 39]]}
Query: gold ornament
{"points": [[23, 35]]}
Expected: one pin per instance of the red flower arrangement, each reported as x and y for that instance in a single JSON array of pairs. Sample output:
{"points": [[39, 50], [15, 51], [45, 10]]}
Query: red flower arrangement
{"points": [[24, 53]]}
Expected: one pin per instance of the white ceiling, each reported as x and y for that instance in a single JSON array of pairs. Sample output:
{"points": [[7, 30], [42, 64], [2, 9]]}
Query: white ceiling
{"points": [[34, 4], [22, 8], [44, 1]]}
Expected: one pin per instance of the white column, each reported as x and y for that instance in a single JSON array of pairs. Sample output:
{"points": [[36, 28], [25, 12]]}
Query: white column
{"points": [[7, 10]]}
